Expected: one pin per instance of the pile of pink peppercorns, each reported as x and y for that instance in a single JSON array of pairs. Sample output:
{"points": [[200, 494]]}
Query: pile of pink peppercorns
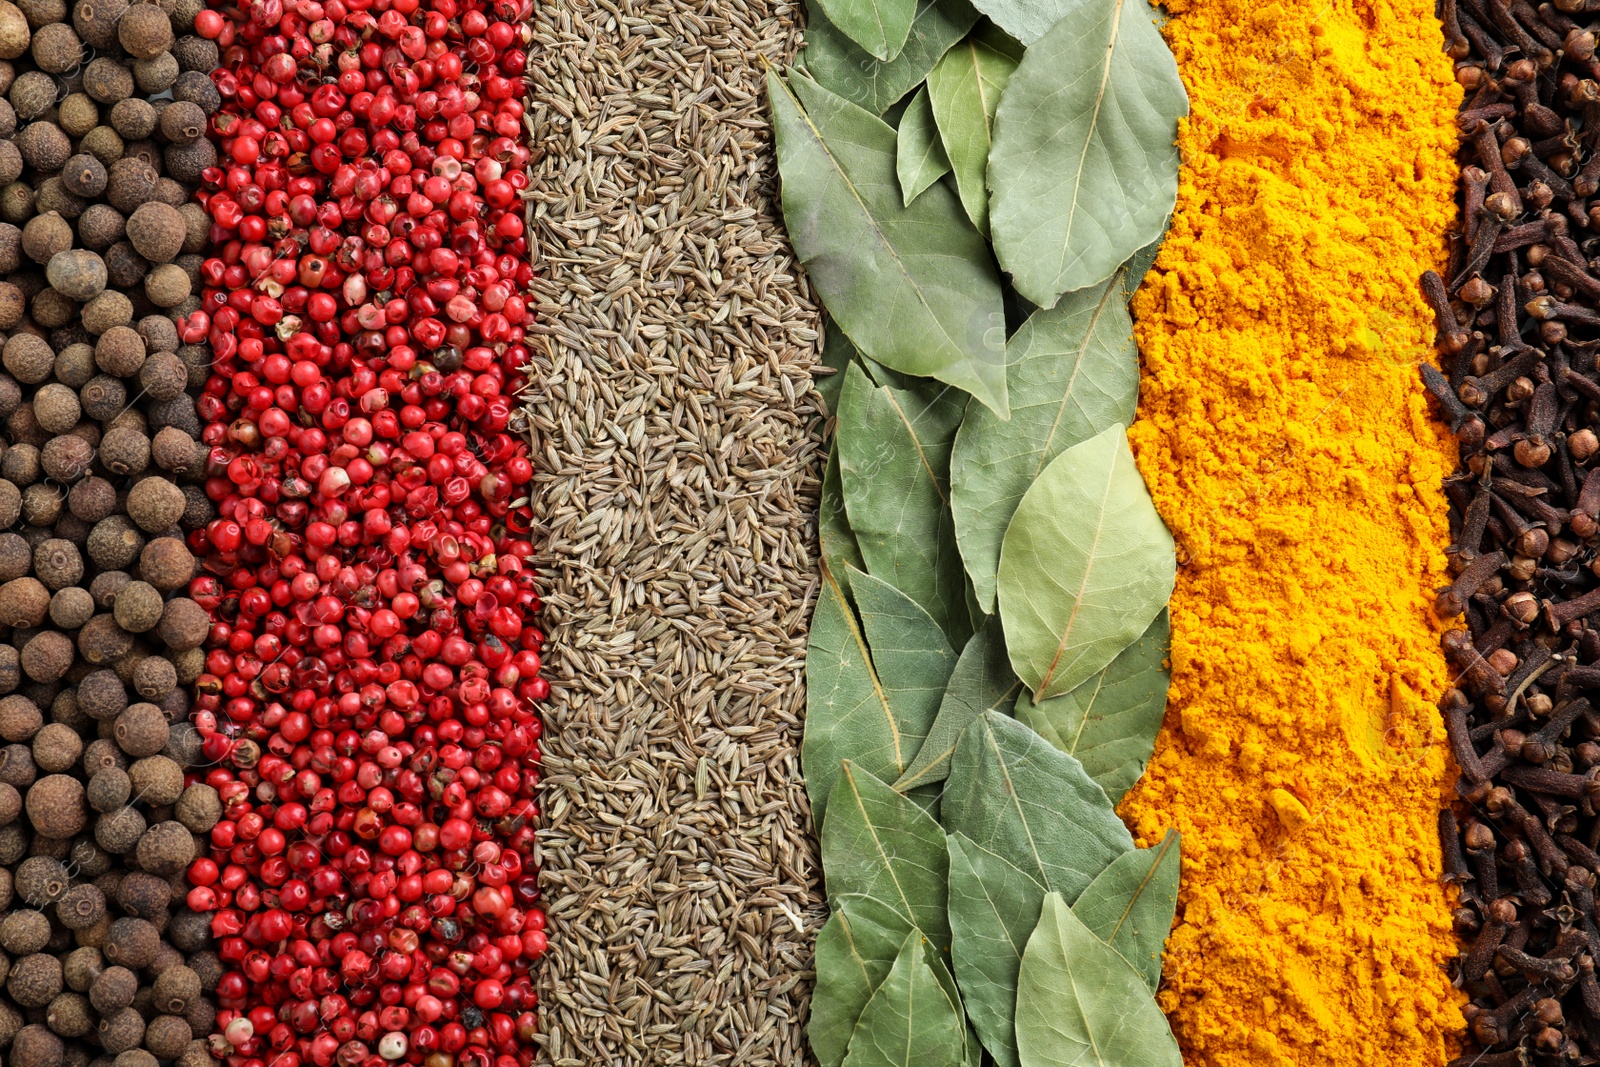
{"points": [[368, 706]]}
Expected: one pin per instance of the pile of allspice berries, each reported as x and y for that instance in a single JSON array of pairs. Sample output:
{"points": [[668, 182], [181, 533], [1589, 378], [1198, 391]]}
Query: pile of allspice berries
{"points": [[103, 118]]}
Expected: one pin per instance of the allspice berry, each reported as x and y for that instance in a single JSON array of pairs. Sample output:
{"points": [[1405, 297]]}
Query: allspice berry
{"points": [[56, 748], [77, 273], [145, 31], [125, 451], [121, 1030], [47, 656], [131, 943], [120, 352], [81, 907], [35, 980], [57, 563], [24, 602], [102, 641], [166, 848], [176, 989], [167, 564], [119, 831], [20, 718], [138, 608], [56, 806], [144, 896], [183, 626], [24, 932], [109, 789], [199, 808], [155, 504], [154, 678], [157, 231], [141, 730]]}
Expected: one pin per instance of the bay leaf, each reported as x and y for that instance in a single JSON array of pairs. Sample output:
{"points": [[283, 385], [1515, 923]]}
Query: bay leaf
{"points": [[1132, 273], [855, 949], [1025, 20], [878, 26], [894, 466], [994, 907], [1014, 795], [841, 66], [919, 158], [913, 287], [871, 692], [879, 844], [1071, 372], [964, 90], [1085, 566], [1084, 169], [982, 681], [1078, 1002], [910, 1021], [837, 354], [1110, 721], [1130, 905], [836, 539]]}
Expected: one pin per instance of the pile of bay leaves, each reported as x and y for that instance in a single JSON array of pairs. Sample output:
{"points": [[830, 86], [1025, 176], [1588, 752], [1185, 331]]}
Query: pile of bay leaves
{"points": [[974, 193]]}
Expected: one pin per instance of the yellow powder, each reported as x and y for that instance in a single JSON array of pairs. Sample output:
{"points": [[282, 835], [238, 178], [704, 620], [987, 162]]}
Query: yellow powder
{"points": [[1286, 440]]}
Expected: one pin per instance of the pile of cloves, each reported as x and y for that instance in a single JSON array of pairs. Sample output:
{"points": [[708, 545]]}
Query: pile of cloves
{"points": [[1519, 338]]}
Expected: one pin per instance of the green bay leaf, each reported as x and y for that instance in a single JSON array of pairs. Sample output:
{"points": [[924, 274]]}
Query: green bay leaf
{"points": [[873, 690], [836, 539], [994, 907], [1071, 372], [1084, 169], [879, 844], [1131, 903], [919, 159], [1079, 1003], [841, 66], [837, 354], [878, 26], [1013, 794], [1024, 20], [1085, 566], [1111, 720], [982, 681], [910, 1020], [915, 288], [1132, 273], [855, 949], [894, 466], [964, 90]]}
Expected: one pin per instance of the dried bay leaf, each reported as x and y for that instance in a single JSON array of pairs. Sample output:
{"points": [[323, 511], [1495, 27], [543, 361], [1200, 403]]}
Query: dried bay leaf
{"points": [[982, 681], [855, 949], [1084, 168], [910, 1020], [1085, 566], [919, 159], [915, 288], [994, 907], [1110, 721], [1078, 1002], [1025, 20], [836, 539], [1072, 371], [1010, 792], [1130, 905], [878, 26], [837, 354], [894, 466], [879, 844], [964, 90], [873, 690], [841, 66]]}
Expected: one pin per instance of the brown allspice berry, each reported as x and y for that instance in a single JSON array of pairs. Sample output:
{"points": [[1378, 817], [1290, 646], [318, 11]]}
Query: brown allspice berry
{"points": [[24, 932], [199, 808], [56, 48], [53, 309], [109, 789], [183, 626], [133, 118], [70, 608], [77, 115], [179, 412], [176, 989], [102, 696], [15, 35], [174, 451], [56, 807], [36, 1046], [22, 427], [81, 967], [167, 1036], [12, 306], [56, 407], [44, 146], [80, 907], [145, 31], [164, 376], [77, 273], [157, 779], [134, 1057], [10, 165], [35, 980], [41, 881], [131, 943], [75, 367], [96, 21], [157, 231], [40, 13], [166, 848], [102, 642], [167, 564], [155, 504], [92, 499], [16, 768], [143, 895], [57, 563], [141, 730], [120, 351], [44, 236], [114, 988], [16, 200], [102, 398], [10, 808], [29, 359], [121, 1030], [32, 94], [20, 718], [139, 608], [119, 831], [24, 602], [130, 181], [67, 458], [84, 175], [106, 586], [42, 504], [155, 677], [157, 74], [68, 1014], [168, 285], [10, 504], [103, 754], [115, 542], [105, 144], [99, 227], [56, 748]]}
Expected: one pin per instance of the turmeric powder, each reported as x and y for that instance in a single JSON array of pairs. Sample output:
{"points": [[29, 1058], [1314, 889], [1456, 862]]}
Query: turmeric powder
{"points": [[1285, 438]]}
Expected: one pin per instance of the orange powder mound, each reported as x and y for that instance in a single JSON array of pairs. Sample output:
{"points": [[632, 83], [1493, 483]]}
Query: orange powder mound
{"points": [[1285, 437]]}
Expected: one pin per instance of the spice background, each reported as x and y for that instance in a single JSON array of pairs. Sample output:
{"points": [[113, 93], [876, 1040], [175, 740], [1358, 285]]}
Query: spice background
{"points": [[1288, 446]]}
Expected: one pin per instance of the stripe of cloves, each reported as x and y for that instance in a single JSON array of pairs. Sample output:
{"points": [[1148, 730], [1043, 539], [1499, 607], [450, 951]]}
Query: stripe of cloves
{"points": [[1492, 1027], [1452, 600], [1586, 509], [1530, 883], [1475, 669], [1439, 386], [1475, 520], [1479, 841], [1542, 57], [1579, 853], [1552, 861], [1481, 40], [1520, 236], [1541, 747], [1452, 338], [1488, 148], [1481, 251], [1498, 917], [1454, 860], [1553, 783], [1455, 725], [1544, 308], [1476, 392], [1558, 615], [1573, 275]]}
